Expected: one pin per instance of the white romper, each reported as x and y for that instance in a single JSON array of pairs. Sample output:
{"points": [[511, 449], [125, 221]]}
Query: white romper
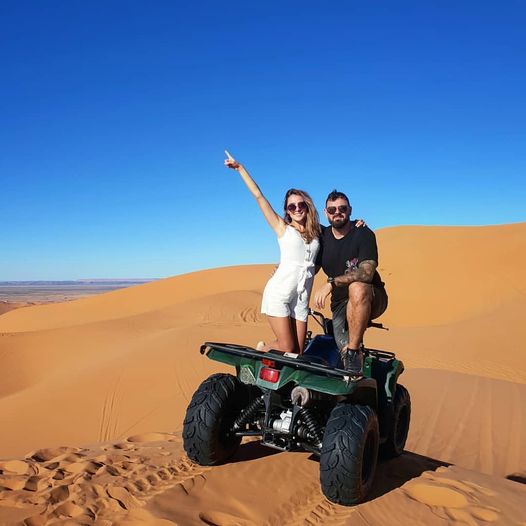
{"points": [[287, 291]]}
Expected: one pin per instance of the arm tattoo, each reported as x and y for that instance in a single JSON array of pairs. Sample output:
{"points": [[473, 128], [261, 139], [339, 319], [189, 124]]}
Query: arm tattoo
{"points": [[364, 273]]}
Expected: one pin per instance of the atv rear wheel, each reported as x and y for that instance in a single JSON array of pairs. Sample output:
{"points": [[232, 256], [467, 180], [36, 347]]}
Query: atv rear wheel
{"points": [[349, 454], [207, 429], [395, 443]]}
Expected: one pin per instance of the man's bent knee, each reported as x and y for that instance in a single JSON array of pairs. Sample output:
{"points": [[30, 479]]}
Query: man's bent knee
{"points": [[360, 293]]}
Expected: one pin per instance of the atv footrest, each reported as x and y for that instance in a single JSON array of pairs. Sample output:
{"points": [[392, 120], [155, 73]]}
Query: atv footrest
{"points": [[248, 433], [275, 446]]}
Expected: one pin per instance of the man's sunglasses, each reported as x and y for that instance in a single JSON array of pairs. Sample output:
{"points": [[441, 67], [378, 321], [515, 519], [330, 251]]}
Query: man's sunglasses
{"points": [[341, 208], [301, 205]]}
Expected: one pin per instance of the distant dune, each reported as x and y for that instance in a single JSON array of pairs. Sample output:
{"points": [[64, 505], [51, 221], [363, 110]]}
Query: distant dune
{"points": [[117, 370], [6, 306]]}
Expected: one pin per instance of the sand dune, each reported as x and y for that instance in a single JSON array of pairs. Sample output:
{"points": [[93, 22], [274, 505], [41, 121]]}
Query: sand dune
{"points": [[137, 300], [117, 370], [6, 306], [442, 275]]}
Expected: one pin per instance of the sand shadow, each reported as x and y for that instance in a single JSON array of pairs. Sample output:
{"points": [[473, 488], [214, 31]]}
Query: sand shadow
{"points": [[395, 472], [252, 451], [517, 477], [390, 474]]}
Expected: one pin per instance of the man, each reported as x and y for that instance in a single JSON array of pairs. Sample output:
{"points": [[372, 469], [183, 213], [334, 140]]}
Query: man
{"points": [[349, 257]]}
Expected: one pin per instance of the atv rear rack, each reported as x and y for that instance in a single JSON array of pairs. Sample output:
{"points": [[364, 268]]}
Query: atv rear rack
{"points": [[296, 361]]}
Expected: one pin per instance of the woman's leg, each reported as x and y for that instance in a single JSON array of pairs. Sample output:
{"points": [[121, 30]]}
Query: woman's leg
{"points": [[300, 331], [285, 337]]}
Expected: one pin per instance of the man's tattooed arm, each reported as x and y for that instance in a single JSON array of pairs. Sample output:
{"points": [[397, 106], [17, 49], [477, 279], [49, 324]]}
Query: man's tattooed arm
{"points": [[364, 273]]}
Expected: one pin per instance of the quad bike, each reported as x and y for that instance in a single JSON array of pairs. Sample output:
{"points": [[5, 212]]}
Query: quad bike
{"points": [[303, 402]]}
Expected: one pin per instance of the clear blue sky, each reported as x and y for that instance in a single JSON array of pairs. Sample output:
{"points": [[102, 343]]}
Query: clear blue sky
{"points": [[114, 117]]}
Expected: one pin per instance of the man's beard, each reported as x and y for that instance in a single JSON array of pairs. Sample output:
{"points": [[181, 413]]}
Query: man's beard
{"points": [[339, 223]]}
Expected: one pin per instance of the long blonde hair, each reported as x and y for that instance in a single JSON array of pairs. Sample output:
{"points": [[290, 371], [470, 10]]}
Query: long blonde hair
{"points": [[312, 224]]}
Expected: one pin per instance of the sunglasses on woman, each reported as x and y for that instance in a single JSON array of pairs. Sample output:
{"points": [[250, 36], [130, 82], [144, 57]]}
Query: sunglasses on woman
{"points": [[341, 208], [300, 205]]}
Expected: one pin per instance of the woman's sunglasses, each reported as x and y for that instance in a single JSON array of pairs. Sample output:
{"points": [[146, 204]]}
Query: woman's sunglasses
{"points": [[300, 205], [342, 209]]}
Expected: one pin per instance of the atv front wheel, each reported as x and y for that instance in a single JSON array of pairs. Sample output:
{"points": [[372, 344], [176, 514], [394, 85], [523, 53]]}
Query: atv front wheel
{"points": [[349, 454], [207, 429], [395, 443]]}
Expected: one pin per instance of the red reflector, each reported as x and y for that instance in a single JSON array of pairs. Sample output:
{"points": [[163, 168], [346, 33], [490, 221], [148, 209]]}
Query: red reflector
{"points": [[268, 363], [269, 375]]}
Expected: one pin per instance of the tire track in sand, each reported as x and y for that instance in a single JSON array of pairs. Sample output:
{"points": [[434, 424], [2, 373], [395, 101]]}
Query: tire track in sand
{"points": [[109, 420], [462, 425], [423, 442], [516, 425]]}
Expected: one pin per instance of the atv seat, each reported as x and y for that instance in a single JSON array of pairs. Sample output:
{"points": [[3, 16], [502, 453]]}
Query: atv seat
{"points": [[322, 349]]}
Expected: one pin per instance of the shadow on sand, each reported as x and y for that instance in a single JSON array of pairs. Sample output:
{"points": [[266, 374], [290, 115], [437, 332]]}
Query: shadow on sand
{"points": [[394, 473], [390, 474], [252, 451], [517, 477]]}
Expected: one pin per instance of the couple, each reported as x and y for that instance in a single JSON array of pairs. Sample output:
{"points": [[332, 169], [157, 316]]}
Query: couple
{"points": [[346, 252]]}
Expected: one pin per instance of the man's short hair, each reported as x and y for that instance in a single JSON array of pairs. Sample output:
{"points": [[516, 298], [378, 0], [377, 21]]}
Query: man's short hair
{"points": [[337, 195]]}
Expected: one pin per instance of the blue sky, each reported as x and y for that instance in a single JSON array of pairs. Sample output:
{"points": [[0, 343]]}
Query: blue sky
{"points": [[115, 116]]}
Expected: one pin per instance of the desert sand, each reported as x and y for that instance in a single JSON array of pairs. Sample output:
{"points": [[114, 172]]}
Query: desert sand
{"points": [[94, 391]]}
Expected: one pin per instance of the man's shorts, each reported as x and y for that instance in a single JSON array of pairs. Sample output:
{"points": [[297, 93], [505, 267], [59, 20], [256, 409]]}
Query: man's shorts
{"points": [[339, 315]]}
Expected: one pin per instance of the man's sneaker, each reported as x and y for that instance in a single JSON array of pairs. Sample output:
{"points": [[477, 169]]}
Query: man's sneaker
{"points": [[353, 361]]}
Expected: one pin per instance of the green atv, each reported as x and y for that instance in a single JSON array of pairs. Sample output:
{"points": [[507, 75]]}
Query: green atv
{"points": [[303, 402]]}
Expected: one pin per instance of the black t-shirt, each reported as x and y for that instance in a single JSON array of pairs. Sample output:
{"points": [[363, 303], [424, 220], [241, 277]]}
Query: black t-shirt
{"points": [[338, 255]]}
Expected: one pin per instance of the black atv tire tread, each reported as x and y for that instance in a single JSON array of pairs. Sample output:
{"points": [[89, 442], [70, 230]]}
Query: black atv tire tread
{"points": [[342, 451], [390, 449], [204, 438]]}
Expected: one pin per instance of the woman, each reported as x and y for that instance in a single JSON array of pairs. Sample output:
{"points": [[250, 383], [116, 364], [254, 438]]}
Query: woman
{"points": [[286, 295]]}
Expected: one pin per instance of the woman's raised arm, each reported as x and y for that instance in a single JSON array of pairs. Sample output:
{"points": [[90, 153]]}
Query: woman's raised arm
{"points": [[274, 220]]}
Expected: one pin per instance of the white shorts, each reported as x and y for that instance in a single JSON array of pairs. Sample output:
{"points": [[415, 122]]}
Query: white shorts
{"points": [[283, 303]]}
